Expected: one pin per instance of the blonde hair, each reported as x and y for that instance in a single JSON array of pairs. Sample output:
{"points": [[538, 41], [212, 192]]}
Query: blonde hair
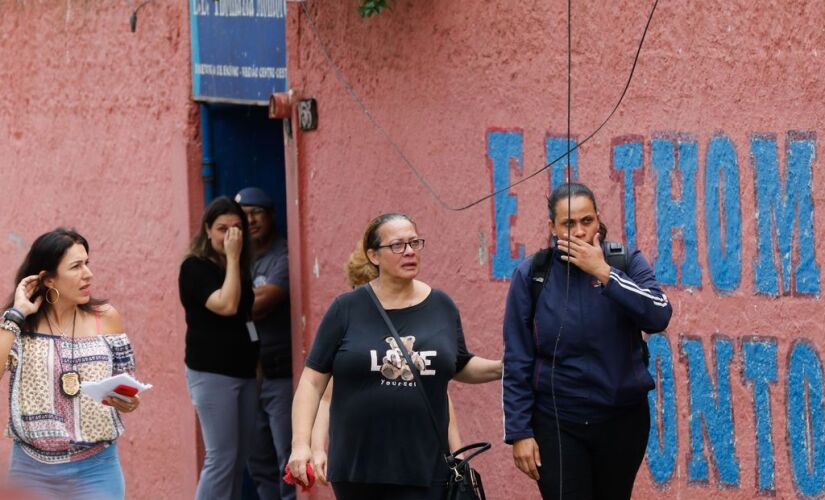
{"points": [[359, 269]]}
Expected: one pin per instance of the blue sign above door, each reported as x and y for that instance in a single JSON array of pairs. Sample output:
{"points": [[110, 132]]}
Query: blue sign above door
{"points": [[238, 50]]}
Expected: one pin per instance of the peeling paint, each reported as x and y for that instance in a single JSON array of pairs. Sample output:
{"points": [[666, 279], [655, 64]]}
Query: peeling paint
{"points": [[482, 248], [19, 243]]}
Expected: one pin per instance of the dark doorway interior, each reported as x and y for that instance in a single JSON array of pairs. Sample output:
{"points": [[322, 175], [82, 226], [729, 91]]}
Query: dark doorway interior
{"points": [[248, 150]]}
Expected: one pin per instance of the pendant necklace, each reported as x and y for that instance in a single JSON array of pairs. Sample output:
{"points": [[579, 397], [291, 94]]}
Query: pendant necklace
{"points": [[70, 379]]}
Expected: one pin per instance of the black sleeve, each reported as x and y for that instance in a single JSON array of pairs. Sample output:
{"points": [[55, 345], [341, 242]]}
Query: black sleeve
{"points": [[327, 339], [463, 356], [195, 283]]}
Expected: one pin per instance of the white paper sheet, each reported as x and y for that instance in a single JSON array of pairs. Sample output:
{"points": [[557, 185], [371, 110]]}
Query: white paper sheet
{"points": [[103, 388]]}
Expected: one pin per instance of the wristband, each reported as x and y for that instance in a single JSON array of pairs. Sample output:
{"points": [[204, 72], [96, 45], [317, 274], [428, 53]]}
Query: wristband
{"points": [[18, 311], [11, 315], [12, 327]]}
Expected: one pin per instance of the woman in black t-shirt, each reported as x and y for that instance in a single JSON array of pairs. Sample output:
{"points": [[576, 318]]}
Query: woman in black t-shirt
{"points": [[359, 271], [381, 440], [221, 353]]}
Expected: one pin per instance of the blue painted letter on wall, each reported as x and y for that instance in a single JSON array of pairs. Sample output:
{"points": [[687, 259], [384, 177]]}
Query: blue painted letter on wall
{"points": [[556, 148], [503, 150], [711, 408], [666, 155], [628, 157], [788, 211], [759, 360], [661, 447], [722, 175], [806, 419]]}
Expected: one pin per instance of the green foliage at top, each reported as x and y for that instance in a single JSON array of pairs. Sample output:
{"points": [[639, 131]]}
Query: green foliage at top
{"points": [[372, 7]]}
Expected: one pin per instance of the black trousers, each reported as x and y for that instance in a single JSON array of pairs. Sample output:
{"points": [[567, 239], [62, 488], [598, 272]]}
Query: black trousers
{"points": [[368, 491], [598, 461]]}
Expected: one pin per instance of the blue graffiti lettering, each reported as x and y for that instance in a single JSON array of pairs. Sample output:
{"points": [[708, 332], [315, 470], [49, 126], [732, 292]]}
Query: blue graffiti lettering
{"points": [[759, 369], [556, 147], [676, 214], [806, 419], [784, 210], [504, 149], [662, 442], [722, 174], [628, 157], [713, 407]]}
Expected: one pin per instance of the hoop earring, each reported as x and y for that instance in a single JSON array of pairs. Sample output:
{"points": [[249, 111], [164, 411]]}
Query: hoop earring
{"points": [[55, 290]]}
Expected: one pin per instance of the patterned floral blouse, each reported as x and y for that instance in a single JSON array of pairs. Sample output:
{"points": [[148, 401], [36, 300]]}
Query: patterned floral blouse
{"points": [[49, 426]]}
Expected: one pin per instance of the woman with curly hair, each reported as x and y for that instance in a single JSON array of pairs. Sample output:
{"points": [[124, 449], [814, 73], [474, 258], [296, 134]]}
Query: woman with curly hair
{"points": [[369, 402]]}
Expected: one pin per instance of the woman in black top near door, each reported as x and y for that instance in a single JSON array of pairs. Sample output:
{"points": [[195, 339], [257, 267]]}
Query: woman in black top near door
{"points": [[381, 441], [221, 352]]}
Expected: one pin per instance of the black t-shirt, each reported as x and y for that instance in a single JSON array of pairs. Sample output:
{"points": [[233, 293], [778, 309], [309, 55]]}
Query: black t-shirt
{"points": [[215, 343], [380, 430]]}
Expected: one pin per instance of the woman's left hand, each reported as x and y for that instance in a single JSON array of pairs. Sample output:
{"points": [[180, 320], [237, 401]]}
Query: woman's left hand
{"points": [[319, 466], [589, 258], [127, 405]]}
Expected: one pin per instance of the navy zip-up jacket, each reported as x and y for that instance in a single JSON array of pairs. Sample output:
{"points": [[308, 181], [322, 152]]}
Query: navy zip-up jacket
{"points": [[600, 366]]}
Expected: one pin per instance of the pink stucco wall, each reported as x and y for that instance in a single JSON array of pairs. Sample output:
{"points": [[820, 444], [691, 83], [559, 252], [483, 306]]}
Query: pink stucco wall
{"points": [[98, 132], [443, 77]]}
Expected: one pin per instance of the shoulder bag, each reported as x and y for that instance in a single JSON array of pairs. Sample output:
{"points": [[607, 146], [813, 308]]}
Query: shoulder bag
{"points": [[463, 482]]}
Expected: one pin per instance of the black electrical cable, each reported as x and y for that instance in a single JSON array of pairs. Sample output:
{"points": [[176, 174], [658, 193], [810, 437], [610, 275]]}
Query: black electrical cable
{"points": [[345, 83], [567, 280], [133, 17], [568, 177]]}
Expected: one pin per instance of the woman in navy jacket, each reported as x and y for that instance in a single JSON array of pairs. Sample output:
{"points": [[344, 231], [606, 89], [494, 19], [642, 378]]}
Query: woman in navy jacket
{"points": [[575, 377]]}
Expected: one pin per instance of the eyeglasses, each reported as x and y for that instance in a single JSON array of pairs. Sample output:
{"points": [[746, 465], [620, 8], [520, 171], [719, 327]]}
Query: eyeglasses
{"points": [[400, 246]]}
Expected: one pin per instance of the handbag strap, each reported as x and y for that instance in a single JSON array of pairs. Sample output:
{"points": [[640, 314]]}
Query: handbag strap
{"points": [[479, 448], [444, 443]]}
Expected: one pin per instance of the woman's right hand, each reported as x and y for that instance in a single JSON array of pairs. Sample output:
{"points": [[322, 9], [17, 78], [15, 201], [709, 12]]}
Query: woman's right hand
{"points": [[23, 294], [233, 243], [527, 458], [298, 460]]}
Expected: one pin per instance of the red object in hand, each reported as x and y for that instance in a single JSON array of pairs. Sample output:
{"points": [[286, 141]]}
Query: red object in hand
{"points": [[290, 479], [126, 390]]}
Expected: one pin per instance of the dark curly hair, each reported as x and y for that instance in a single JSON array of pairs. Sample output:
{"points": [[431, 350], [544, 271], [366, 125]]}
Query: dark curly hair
{"points": [[45, 254]]}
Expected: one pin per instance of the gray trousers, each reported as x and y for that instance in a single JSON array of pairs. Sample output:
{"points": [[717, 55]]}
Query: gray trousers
{"points": [[226, 410], [273, 440]]}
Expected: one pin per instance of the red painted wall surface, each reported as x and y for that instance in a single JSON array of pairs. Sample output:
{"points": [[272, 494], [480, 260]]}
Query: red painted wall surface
{"points": [[440, 77], [97, 132]]}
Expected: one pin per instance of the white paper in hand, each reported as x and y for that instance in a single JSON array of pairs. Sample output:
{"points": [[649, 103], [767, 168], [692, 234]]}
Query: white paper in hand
{"points": [[102, 389]]}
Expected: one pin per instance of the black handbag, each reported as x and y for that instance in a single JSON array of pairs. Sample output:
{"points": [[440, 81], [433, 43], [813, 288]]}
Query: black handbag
{"points": [[463, 482]]}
